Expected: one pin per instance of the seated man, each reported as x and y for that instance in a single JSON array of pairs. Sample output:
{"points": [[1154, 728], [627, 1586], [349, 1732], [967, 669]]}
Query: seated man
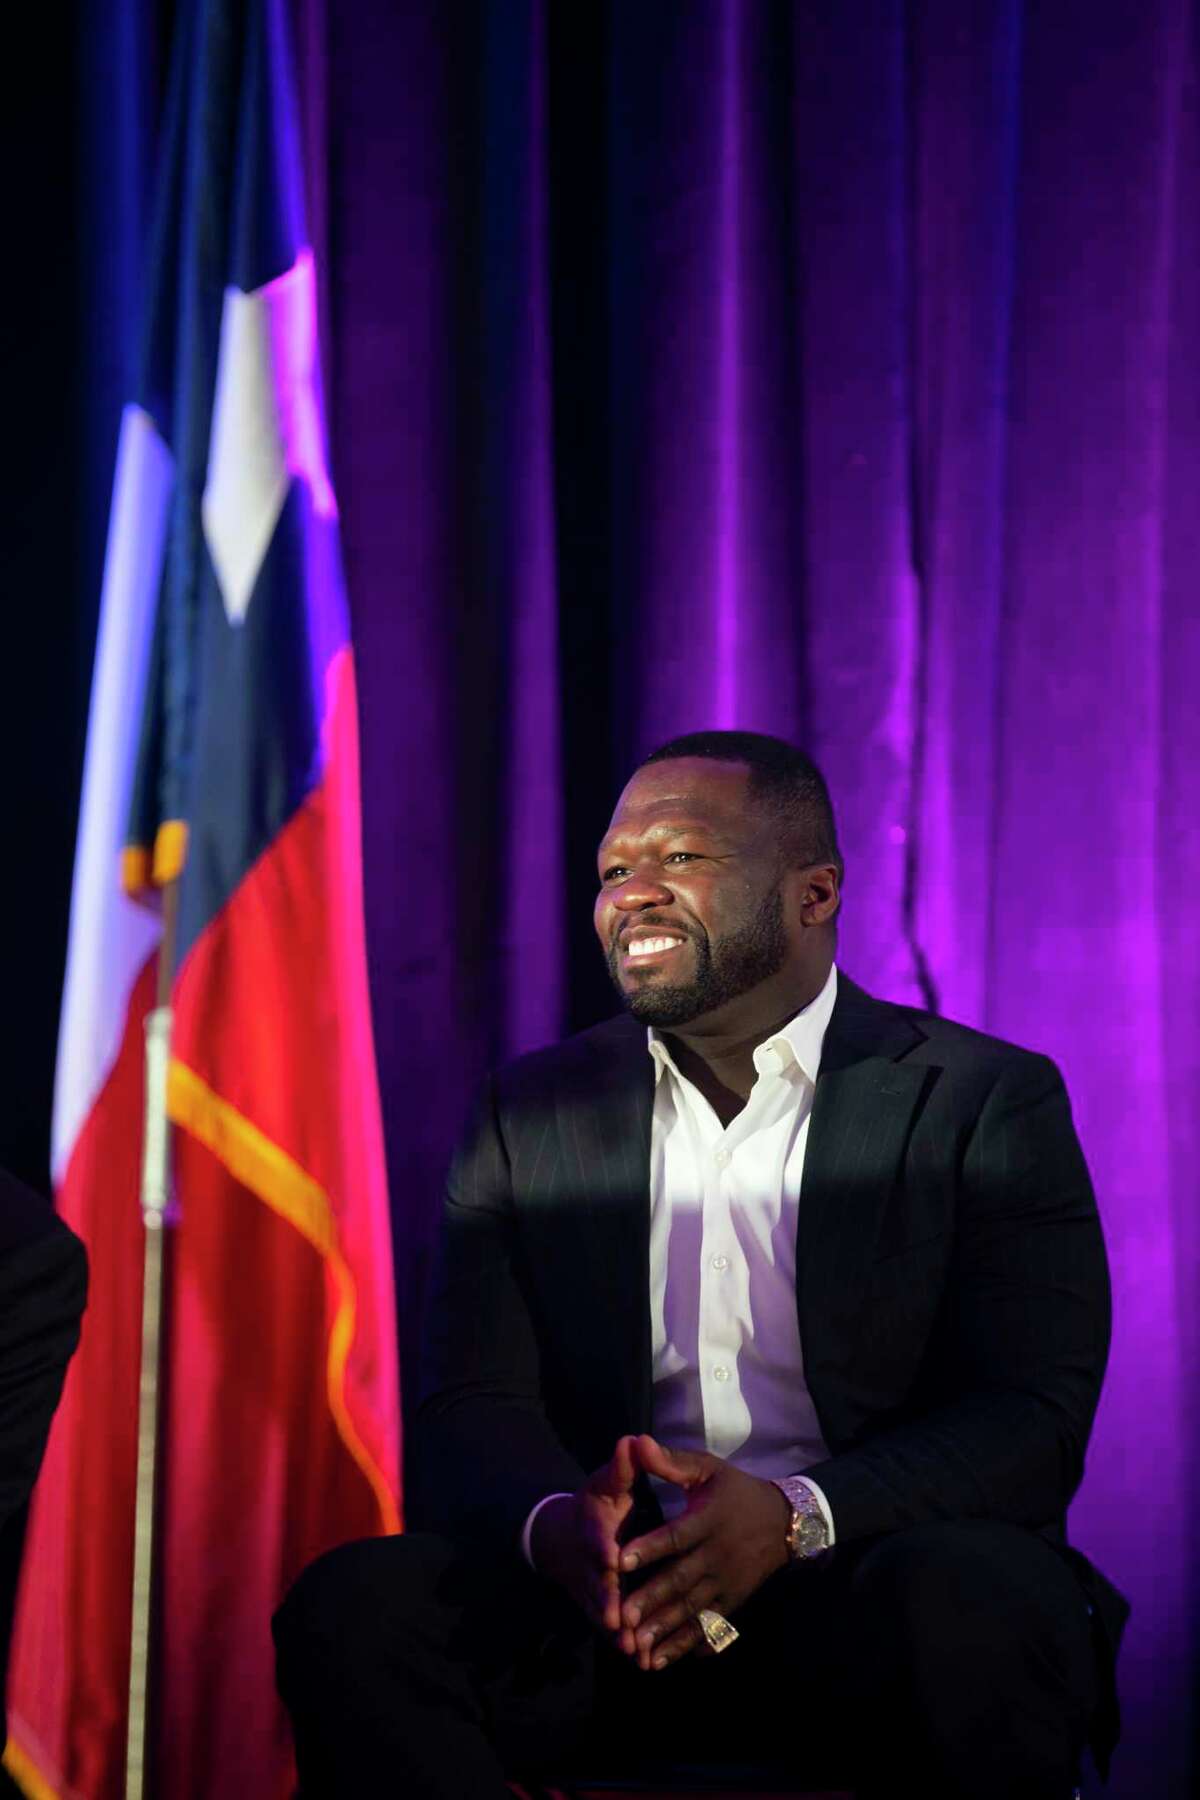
{"points": [[769, 1326]]}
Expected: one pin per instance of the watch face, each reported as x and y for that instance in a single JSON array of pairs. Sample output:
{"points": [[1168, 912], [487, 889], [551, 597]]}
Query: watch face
{"points": [[808, 1534]]}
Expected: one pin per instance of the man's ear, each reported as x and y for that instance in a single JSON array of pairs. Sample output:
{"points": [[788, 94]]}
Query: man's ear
{"points": [[819, 893]]}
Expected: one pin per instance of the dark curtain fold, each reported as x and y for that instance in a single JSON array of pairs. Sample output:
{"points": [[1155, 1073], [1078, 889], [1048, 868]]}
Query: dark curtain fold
{"points": [[828, 370]]}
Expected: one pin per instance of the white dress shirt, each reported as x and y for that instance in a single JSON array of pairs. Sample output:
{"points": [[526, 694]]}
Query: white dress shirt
{"points": [[726, 1361]]}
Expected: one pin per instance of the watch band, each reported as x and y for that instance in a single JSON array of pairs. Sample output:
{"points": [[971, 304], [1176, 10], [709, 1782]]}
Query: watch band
{"points": [[808, 1533]]}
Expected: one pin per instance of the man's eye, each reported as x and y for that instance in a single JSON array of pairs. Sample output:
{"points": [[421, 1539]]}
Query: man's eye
{"points": [[612, 874], [684, 856]]}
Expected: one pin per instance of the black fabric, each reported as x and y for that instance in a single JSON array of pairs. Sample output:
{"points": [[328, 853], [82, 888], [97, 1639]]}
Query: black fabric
{"points": [[957, 1653], [43, 1289]]}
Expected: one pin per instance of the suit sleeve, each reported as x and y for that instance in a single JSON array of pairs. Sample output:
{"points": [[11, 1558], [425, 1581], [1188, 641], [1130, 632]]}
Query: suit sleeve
{"points": [[43, 1289], [485, 1449], [1023, 1335]]}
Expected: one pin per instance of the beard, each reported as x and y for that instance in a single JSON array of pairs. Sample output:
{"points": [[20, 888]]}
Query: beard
{"points": [[726, 969]]}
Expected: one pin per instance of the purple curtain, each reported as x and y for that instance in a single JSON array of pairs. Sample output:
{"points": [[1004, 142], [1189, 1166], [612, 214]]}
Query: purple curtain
{"points": [[826, 370]]}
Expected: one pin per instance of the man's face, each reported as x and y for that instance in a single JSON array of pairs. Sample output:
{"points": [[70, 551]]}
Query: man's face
{"points": [[692, 912]]}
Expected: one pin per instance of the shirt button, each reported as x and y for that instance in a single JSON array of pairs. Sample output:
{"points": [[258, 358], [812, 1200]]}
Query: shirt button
{"points": [[720, 1264], [722, 1158], [720, 1373]]}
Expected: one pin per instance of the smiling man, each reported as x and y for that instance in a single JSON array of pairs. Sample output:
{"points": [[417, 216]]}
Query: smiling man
{"points": [[768, 1330]]}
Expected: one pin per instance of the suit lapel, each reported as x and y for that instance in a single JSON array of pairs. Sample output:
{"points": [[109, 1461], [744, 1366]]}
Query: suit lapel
{"points": [[604, 1126], [862, 1115]]}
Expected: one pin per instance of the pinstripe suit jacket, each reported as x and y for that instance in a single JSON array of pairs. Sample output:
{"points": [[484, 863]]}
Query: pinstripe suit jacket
{"points": [[951, 1281]]}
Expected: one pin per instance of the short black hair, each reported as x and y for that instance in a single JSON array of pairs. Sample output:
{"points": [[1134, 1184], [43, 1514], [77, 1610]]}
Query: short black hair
{"points": [[787, 781]]}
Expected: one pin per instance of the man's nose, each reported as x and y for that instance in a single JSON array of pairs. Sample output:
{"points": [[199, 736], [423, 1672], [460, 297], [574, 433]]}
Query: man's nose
{"points": [[641, 890]]}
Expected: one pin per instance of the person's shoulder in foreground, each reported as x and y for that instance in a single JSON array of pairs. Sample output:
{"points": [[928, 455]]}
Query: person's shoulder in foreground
{"points": [[43, 1291]]}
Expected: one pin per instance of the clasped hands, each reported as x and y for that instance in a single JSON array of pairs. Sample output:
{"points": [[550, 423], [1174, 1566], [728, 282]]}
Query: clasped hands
{"points": [[729, 1538]]}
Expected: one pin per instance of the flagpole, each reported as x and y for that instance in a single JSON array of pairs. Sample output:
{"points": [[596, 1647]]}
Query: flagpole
{"points": [[156, 1193]]}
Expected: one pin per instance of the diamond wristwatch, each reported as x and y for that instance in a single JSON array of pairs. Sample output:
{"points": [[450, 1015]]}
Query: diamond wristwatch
{"points": [[808, 1534]]}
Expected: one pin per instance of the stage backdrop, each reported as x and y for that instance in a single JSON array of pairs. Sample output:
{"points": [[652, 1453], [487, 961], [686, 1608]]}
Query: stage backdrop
{"points": [[827, 370]]}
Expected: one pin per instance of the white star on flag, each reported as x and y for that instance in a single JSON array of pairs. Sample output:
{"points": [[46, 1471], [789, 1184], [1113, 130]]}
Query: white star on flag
{"points": [[266, 426]]}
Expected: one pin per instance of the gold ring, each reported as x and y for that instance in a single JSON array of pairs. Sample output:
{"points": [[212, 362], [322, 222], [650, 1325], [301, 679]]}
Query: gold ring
{"points": [[718, 1632]]}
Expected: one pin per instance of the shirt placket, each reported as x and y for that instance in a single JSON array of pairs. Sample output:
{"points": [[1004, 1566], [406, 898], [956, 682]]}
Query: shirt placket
{"points": [[720, 1328]]}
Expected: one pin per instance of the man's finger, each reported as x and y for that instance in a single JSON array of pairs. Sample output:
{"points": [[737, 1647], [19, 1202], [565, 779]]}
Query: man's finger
{"points": [[600, 1528], [674, 1539], [619, 1472], [669, 1619], [602, 1601], [688, 1638], [676, 1582], [682, 1467]]}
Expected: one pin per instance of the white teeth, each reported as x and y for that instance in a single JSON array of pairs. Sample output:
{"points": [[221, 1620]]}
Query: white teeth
{"points": [[648, 946]]}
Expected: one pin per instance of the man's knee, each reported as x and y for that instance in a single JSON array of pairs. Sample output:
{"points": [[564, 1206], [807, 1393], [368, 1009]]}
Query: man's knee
{"points": [[973, 1637], [972, 1622], [354, 1604], [964, 1584]]}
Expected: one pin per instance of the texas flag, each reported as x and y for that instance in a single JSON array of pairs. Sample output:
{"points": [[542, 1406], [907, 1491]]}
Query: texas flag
{"points": [[221, 782]]}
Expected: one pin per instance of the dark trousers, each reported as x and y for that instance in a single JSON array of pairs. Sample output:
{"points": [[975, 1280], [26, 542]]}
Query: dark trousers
{"points": [[953, 1659]]}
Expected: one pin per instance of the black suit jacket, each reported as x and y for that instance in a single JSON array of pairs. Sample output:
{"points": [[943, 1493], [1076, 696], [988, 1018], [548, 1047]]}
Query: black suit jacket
{"points": [[951, 1282]]}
